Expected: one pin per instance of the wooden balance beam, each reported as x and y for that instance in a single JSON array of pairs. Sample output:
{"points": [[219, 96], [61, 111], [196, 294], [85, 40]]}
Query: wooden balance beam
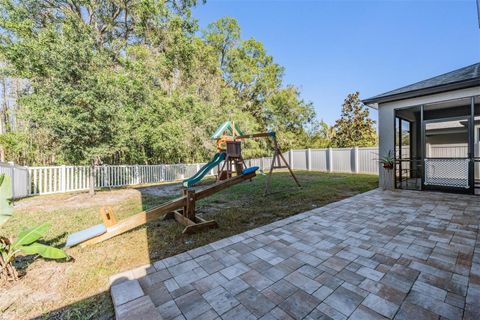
{"points": [[181, 209]]}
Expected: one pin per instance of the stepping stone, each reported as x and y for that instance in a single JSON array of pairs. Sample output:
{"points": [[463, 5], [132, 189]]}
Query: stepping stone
{"points": [[125, 292], [141, 308]]}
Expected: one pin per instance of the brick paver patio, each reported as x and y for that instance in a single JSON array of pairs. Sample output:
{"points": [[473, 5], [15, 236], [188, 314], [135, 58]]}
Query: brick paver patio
{"points": [[397, 255]]}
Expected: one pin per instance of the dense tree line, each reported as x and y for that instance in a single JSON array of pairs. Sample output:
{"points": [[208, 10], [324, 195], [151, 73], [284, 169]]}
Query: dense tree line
{"points": [[134, 81]]}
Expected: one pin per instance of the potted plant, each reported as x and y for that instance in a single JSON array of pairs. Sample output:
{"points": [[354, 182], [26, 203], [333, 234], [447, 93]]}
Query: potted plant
{"points": [[388, 161]]}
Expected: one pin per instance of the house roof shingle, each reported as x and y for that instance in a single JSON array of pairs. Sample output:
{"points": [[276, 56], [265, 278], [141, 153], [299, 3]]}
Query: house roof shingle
{"points": [[458, 79]]}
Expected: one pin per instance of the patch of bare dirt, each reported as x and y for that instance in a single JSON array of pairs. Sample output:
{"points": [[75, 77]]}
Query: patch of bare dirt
{"points": [[39, 286], [164, 190], [101, 198], [76, 201]]}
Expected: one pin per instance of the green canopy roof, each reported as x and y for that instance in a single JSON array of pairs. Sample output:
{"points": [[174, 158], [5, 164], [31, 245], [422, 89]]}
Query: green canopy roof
{"points": [[226, 127]]}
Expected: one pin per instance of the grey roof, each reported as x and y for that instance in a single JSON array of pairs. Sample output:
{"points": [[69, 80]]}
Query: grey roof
{"points": [[458, 79]]}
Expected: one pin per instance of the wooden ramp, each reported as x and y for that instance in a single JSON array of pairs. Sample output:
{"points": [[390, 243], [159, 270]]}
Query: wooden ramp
{"points": [[181, 209]]}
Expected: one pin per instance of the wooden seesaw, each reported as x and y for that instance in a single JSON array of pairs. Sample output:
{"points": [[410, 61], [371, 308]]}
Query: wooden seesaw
{"points": [[181, 209]]}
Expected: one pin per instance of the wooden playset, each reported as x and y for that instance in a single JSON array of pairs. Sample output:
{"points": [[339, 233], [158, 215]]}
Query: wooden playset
{"points": [[233, 160], [228, 139]]}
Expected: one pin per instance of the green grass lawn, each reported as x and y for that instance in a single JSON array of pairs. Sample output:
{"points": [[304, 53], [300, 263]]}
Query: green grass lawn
{"points": [[79, 289]]}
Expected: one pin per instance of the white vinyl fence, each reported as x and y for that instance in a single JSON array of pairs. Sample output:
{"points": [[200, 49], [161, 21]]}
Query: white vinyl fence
{"points": [[348, 160], [18, 178], [59, 179], [457, 150]]}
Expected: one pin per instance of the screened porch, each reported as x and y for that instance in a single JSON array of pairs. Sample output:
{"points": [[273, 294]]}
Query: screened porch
{"points": [[437, 146]]}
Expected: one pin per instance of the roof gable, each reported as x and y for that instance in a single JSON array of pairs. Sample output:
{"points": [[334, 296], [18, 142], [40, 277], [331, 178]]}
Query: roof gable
{"points": [[461, 78]]}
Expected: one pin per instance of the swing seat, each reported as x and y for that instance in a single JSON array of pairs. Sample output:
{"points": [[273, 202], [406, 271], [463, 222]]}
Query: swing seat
{"points": [[249, 170], [84, 235]]}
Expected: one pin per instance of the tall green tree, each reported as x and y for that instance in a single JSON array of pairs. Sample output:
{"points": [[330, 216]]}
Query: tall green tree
{"points": [[320, 135], [223, 35], [133, 82], [72, 52], [257, 84], [355, 128]]}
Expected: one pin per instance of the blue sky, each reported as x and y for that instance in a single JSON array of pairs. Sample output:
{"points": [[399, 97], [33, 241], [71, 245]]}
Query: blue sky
{"points": [[331, 48]]}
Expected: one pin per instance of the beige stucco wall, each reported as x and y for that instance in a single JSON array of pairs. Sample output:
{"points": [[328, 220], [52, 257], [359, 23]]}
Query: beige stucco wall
{"points": [[386, 119]]}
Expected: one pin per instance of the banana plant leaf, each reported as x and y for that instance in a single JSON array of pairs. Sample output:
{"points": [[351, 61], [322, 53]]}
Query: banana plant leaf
{"points": [[44, 251], [29, 236]]}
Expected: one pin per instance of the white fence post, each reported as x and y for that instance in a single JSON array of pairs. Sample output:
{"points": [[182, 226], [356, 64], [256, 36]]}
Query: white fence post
{"points": [[309, 159], [137, 175], [63, 180], [12, 178], [29, 181], [356, 160], [290, 158], [330, 160]]}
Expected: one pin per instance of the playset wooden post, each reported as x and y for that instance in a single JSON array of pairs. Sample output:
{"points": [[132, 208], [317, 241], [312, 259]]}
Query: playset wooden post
{"points": [[187, 216], [277, 158], [189, 208]]}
